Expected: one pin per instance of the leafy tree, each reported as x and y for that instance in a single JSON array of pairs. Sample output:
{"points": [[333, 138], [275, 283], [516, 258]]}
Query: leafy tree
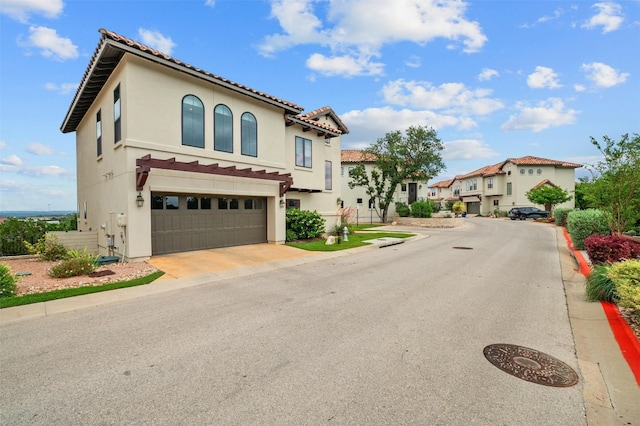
{"points": [[615, 185], [548, 195], [581, 188], [13, 232], [412, 156]]}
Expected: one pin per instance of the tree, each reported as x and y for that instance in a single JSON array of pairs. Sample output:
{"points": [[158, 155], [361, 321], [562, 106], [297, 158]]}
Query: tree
{"points": [[581, 188], [548, 195], [413, 156], [458, 208], [615, 185]]}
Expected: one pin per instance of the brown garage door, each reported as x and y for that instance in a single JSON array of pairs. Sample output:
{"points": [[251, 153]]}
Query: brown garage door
{"points": [[473, 208], [196, 222]]}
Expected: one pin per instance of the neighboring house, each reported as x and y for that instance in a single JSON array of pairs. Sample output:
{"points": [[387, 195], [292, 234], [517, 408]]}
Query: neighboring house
{"points": [[503, 185], [407, 192], [172, 158]]}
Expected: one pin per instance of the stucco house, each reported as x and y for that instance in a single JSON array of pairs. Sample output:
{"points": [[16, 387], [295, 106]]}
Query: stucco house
{"points": [[503, 185], [173, 158], [407, 192]]}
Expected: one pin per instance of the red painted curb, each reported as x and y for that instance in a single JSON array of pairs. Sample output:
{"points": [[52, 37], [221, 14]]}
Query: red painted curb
{"points": [[626, 338]]}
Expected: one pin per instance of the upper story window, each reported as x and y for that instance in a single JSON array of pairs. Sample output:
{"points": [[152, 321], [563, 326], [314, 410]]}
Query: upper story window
{"points": [[328, 174], [456, 190], [249, 135], [490, 183], [192, 121], [539, 171], [509, 188], [222, 129], [472, 184], [303, 152], [522, 171], [117, 121], [99, 133]]}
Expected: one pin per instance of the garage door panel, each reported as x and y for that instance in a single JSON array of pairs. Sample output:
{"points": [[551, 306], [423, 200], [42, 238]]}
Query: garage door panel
{"points": [[195, 229]]}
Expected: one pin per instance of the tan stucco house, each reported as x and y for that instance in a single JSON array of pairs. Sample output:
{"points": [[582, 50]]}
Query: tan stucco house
{"points": [[357, 198], [173, 158], [503, 185]]}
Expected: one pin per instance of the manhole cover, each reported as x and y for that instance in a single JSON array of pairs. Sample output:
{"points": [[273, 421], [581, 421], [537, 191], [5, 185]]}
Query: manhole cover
{"points": [[463, 248], [101, 273], [531, 365]]}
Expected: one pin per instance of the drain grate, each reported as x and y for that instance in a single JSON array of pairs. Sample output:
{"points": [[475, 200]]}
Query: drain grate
{"points": [[463, 248], [531, 365]]}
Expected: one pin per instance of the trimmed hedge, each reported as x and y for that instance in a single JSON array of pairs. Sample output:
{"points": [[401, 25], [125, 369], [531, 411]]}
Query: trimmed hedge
{"points": [[610, 249], [583, 223], [626, 276], [421, 209], [402, 209], [560, 214]]}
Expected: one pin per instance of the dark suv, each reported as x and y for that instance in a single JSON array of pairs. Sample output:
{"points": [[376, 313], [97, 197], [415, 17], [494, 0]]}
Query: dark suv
{"points": [[524, 213]]}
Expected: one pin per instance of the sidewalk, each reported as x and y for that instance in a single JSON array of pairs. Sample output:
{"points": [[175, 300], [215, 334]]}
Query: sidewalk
{"points": [[611, 393]]}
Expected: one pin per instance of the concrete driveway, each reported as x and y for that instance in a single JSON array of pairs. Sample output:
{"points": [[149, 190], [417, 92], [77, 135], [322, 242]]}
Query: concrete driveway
{"points": [[193, 263]]}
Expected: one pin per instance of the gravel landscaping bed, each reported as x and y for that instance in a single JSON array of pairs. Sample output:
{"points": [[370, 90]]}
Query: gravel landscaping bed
{"points": [[34, 276]]}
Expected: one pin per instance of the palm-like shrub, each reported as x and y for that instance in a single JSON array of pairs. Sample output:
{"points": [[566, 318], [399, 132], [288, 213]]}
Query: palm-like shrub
{"points": [[600, 287], [458, 208]]}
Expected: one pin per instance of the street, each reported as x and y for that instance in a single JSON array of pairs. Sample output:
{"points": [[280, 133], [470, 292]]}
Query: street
{"points": [[383, 336]]}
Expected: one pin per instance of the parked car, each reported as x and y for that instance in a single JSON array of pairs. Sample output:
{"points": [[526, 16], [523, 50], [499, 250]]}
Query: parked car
{"points": [[524, 213]]}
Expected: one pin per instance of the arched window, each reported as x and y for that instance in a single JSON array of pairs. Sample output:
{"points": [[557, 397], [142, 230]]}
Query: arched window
{"points": [[192, 121], [222, 129], [249, 135]]}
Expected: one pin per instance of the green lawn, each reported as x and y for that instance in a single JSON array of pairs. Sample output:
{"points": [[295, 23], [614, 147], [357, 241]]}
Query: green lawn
{"points": [[70, 292], [355, 240]]}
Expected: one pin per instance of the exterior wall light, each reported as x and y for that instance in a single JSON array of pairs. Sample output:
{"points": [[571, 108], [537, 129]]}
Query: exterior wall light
{"points": [[281, 202], [139, 200]]}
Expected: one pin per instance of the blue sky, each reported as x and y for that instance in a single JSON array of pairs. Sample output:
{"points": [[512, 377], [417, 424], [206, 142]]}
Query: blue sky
{"points": [[496, 79]]}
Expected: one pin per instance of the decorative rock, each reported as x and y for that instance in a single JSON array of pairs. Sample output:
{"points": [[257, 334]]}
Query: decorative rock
{"points": [[331, 240]]}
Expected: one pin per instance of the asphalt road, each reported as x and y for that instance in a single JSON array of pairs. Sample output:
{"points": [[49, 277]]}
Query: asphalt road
{"points": [[383, 336]]}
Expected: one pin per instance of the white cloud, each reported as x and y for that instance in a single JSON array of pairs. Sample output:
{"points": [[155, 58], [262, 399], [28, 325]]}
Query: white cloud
{"points": [[46, 171], [546, 18], [347, 29], [466, 149], [549, 113], [487, 74], [543, 77], [21, 9], [51, 45], [210, 3], [603, 75], [609, 17], [579, 87], [63, 89], [413, 62], [156, 40], [347, 66], [3, 145], [366, 126], [12, 160], [450, 97], [39, 149]]}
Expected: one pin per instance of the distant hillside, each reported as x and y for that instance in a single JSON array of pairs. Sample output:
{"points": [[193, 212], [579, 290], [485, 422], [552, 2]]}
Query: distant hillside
{"points": [[19, 214]]}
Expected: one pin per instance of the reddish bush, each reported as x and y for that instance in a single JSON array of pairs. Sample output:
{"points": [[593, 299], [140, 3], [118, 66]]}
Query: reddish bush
{"points": [[611, 248]]}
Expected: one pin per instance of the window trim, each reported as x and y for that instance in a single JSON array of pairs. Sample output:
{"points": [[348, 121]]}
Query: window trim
{"points": [[99, 133], [182, 124], [117, 115], [328, 175], [218, 137], [306, 145], [244, 143]]}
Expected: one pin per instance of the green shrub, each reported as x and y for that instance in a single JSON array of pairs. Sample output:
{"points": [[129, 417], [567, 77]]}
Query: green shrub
{"points": [[599, 286], [291, 236], [402, 209], [421, 209], [7, 282], [435, 206], [73, 267], [305, 224], [626, 276], [48, 248], [560, 214], [14, 232], [500, 213], [583, 223]]}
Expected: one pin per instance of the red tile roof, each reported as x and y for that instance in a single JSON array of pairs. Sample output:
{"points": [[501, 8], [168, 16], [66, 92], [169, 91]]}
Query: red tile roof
{"points": [[442, 184], [530, 160], [356, 156], [112, 47], [545, 182]]}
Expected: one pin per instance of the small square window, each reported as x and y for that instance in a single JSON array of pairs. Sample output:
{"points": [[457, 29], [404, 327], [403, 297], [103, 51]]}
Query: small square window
{"points": [[403, 187], [530, 171], [205, 203], [172, 202], [157, 202], [539, 171], [223, 204], [522, 171], [234, 204], [192, 203]]}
